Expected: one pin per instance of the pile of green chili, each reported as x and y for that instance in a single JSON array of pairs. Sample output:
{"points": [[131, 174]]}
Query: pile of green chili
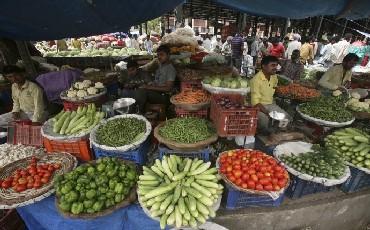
{"points": [[327, 108], [120, 132], [186, 130]]}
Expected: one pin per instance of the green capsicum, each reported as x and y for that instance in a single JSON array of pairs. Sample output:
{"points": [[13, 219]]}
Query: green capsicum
{"points": [[77, 208], [103, 190], [98, 205], [108, 204], [131, 175], [88, 204], [118, 198], [100, 167], [90, 194], [91, 170], [66, 188], [118, 188], [71, 196], [90, 210], [65, 206], [112, 183], [110, 194]]}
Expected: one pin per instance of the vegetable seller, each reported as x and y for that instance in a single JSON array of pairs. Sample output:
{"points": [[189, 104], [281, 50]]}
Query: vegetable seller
{"points": [[293, 68], [339, 76], [158, 91], [28, 100], [263, 86]]}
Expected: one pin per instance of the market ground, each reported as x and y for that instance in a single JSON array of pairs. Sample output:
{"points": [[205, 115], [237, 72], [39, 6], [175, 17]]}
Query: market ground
{"points": [[323, 211]]}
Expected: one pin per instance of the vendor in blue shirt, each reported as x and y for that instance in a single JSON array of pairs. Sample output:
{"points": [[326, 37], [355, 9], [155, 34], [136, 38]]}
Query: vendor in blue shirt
{"points": [[159, 90]]}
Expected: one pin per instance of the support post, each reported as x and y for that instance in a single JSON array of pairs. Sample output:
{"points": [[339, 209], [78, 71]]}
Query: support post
{"points": [[345, 27], [26, 58], [319, 27]]}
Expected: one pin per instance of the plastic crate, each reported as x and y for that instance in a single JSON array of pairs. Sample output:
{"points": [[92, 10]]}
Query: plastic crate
{"points": [[203, 113], [195, 84], [23, 132], [237, 199], [139, 155], [80, 149], [357, 181], [233, 122], [71, 106], [299, 188], [203, 154]]}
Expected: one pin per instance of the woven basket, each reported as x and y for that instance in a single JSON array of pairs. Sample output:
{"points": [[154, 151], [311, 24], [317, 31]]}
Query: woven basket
{"points": [[273, 194], [87, 99], [131, 198], [190, 107], [181, 146], [11, 199]]}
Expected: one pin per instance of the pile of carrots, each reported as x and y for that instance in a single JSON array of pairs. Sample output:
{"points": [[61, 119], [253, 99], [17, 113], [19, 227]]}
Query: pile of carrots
{"points": [[297, 91], [192, 97]]}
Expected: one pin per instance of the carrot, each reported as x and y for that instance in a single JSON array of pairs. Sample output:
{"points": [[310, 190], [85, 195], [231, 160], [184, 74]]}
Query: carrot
{"points": [[192, 97]]}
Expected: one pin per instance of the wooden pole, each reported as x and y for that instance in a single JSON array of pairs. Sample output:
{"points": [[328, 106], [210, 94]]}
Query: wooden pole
{"points": [[345, 26], [319, 27], [26, 58]]}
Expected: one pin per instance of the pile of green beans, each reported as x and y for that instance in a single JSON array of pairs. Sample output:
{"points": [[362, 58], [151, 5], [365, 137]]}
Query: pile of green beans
{"points": [[186, 130], [327, 108], [120, 132]]}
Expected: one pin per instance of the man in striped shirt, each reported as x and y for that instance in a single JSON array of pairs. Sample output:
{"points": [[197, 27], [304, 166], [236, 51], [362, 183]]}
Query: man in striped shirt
{"points": [[237, 46]]}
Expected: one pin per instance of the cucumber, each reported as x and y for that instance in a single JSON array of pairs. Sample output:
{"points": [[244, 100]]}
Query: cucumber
{"points": [[205, 177], [189, 181], [150, 202], [176, 194], [149, 182], [361, 139], [155, 207], [184, 193], [157, 171], [195, 164], [202, 208], [193, 222], [208, 183], [178, 217], [161, 190], [187, 215], [201, 168], [171, 219], [210, 171], [200, 189], [201, 218], [161, 197], [163, 221], [181, 205], [166, 203], [148, 178], [65, 125], [192, 205], [187, 165], [206, 201], [159, 165], [166, 167], [170, 209], [179, 176], [193, 192]]}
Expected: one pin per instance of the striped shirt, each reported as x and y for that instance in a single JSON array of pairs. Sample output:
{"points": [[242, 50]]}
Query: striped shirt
{"points": [[237, 44]]}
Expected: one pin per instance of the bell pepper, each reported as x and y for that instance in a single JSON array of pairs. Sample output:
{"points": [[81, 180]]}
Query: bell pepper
{"points": [[83, 179], [81, 169], [71, 196], [123, 168], [65, 206], [118, 188], [92, 184], [103, 190], [90, 194], [112, 173], [77, 208], [110, 194], [90, 210], [112, 183], [108, 203], [100, 180], [82, 196], [131, 175], [88, 204], [100, 167], [58, 191], [102, 198], [122, 174], [125, 191], [66, 188], [97, 206], [118, 198], [91, 170]]}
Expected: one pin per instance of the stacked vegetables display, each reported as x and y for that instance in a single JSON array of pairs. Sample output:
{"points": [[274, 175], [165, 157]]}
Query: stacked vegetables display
{"points": [[84, 88], [181, 192], [227, 103], [227, 82], [120, 132], [296, 91], [74, 122], [253, 169], [320, 162], [327, 109], [187, 130], [192, 97], [33, 177], [91, 188], [101, 52], [351, 144]]}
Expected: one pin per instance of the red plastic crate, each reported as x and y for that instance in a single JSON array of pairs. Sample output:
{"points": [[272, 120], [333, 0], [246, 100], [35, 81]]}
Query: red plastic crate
{"points": [[23, 132], [81, 148], [233, 122], [195, 84], [69, 105], [203, 113]]}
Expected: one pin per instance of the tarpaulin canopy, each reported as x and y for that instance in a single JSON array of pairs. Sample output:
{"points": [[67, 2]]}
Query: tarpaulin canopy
{"points": [[298, 9], [54, 19]]}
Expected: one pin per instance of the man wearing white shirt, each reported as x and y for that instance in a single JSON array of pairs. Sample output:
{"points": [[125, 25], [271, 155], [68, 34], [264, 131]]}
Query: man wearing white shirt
{"points": [[293, 45], [326, 54], [341, 48], [148, 45], [128, 41], [217, 45], [207, 43]]}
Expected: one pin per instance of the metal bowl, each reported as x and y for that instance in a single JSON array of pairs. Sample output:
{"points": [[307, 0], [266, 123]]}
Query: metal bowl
{"points": [[123, 102]]}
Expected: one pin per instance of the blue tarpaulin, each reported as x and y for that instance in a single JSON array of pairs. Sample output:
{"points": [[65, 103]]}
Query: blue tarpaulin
{"points": [[298, 9], [54, 19]]}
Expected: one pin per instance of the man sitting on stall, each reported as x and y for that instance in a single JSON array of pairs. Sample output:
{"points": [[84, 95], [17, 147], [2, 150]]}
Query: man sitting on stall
{"points": [[339, 76], [28, 99], [263, 86], [293, 68]]}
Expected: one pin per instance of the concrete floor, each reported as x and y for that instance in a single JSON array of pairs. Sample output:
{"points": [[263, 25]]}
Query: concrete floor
{"points": [[323, 211]]}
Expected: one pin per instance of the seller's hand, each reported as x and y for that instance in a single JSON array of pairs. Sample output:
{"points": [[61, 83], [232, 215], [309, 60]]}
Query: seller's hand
{"points": [[16, 115]]}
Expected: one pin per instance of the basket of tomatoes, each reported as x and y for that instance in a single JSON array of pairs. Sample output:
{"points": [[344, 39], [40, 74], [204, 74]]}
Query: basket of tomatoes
{"points": [[255, 177], [29, 180]]}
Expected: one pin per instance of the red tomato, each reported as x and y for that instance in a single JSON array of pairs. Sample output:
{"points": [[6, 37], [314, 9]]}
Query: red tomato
{"points": [[282, 182], [251, 184], [237, 167], [260, 175], [268, 187], [276, 188], [232, 178], [274, 181], [47, 173], [22, 181], [238, 182], [264, 181], [267, 174], [29, 185], [259, 187], [36, 185], [263, 169], [237, 173], [37, 177], [14, 183], [244, 185], [6, 184], [251, 171], [20, 188], [24, 173], [278, 168], [254, 177], [229, 168], [45, 180], [245, 177]]}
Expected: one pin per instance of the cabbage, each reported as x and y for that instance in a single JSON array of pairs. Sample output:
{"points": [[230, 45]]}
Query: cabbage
{"points": [[216, 82], [234, 84], [243, 83]]}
